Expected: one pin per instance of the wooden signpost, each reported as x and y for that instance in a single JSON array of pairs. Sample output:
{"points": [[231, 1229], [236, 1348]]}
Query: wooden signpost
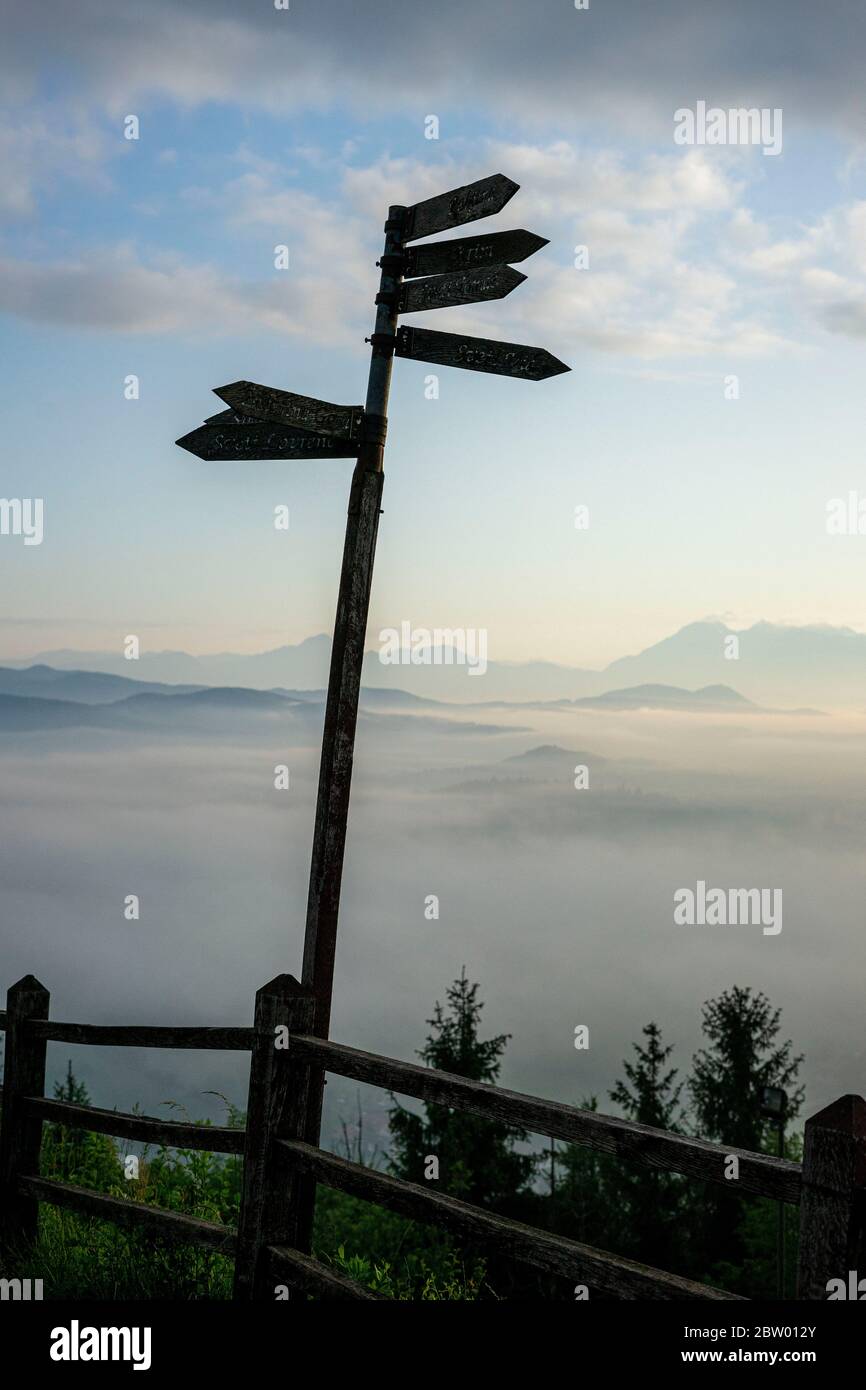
{"points": [[478, 354], [469, 252], [233, 436], [263, 422], [304, 412], [465, 204], [462, 287]]}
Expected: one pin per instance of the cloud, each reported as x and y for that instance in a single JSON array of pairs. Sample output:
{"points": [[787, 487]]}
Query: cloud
{"points": [[37, 148], [656, 286], [622, 61], [678, 264], [117, 290], [823, 270]]}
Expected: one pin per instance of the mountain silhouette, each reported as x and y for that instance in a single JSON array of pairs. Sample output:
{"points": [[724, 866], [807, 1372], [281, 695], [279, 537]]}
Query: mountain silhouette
{"points": [[768, 664]]}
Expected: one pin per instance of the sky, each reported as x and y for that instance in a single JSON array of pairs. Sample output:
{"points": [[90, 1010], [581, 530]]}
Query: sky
{"points": [[154, 257]]}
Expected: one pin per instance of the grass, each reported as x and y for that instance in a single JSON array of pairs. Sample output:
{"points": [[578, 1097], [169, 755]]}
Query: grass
{"points": [[85, 1258]]}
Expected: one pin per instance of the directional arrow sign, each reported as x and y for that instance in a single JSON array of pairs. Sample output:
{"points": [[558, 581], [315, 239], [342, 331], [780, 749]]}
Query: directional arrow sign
{"points": [[466, 287], [465, 204], [232, 417], [478, 354], [304, 412], [229, 436], [465, 253]]}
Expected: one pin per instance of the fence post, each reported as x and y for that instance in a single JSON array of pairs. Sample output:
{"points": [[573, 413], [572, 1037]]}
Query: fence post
{"points": [[20, 1135], [276, 1108], [833, 1205]]}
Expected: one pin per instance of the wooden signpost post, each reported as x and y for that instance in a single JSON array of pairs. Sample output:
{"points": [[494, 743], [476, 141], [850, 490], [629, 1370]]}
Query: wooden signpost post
{"points": [[266, 423]]}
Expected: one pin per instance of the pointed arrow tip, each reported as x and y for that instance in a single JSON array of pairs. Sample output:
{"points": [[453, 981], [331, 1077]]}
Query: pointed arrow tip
{"points": [[190, 442]]}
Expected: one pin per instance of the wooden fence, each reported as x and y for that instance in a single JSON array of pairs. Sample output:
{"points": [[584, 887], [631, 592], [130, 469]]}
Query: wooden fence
{"points": [[272, 1242]]}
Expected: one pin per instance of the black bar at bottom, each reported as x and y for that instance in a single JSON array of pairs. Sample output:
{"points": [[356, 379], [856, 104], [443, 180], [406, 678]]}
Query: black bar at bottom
{"points": [[259, 1340]]}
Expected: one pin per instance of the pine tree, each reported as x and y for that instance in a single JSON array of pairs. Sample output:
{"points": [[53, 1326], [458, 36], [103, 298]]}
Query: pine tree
{"points": [[728, 1078], [727, 1086], [650, 1201], [77, 1155], [654, 1098], [477, 1159]]}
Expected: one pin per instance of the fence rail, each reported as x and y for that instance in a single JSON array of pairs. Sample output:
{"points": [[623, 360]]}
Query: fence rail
{"points": [[759, 1174], [168, 1225], [175, 1134], [134, 1035], [281, 1169], [542, 1249]]}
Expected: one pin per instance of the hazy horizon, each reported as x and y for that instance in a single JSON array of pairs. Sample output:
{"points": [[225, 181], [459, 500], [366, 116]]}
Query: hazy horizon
{"points": [[193, 824]]}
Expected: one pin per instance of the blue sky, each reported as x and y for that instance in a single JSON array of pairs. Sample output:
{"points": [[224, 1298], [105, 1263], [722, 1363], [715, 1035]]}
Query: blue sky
{"points": [[155, 258]]}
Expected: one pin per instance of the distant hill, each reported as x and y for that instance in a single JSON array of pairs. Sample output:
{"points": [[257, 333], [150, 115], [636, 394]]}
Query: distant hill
{"points": [[217, 711], [88, 687], [783, 667], [25, 713], [198, 711], [711, 698], [551, 755], [302, 667], [373, 698]]}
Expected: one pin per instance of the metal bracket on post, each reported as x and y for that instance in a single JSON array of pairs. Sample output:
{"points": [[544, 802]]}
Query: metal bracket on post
{"points": [[375, 429], [383, 343], [392, 262]]}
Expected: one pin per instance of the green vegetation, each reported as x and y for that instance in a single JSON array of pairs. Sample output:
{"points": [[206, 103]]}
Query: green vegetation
{"points": [[659, 1218]]}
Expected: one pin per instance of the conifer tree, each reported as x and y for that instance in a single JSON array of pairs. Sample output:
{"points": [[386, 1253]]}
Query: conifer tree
{"points": [[650, 1201], [727, 1086], [476, 1158]]}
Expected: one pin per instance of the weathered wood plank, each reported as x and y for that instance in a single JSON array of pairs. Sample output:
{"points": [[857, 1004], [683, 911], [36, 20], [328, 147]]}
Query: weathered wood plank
{"points": [[464, 204], [136, 1035], [833, 1209], [461, 287], [263, 440], [21, 1133], [167, 1225], [555, 1254], [276, 1106], [478, 354], [288, 408], [147, 1129], [311, 1276], [338, 737], [657, 1148], [465, 253]]}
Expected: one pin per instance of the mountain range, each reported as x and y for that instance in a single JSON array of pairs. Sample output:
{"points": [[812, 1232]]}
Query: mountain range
{"points": [[774, 665]]}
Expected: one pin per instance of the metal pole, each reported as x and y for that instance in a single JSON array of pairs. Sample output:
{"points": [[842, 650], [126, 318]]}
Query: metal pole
{"points": [[347, 654]]}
